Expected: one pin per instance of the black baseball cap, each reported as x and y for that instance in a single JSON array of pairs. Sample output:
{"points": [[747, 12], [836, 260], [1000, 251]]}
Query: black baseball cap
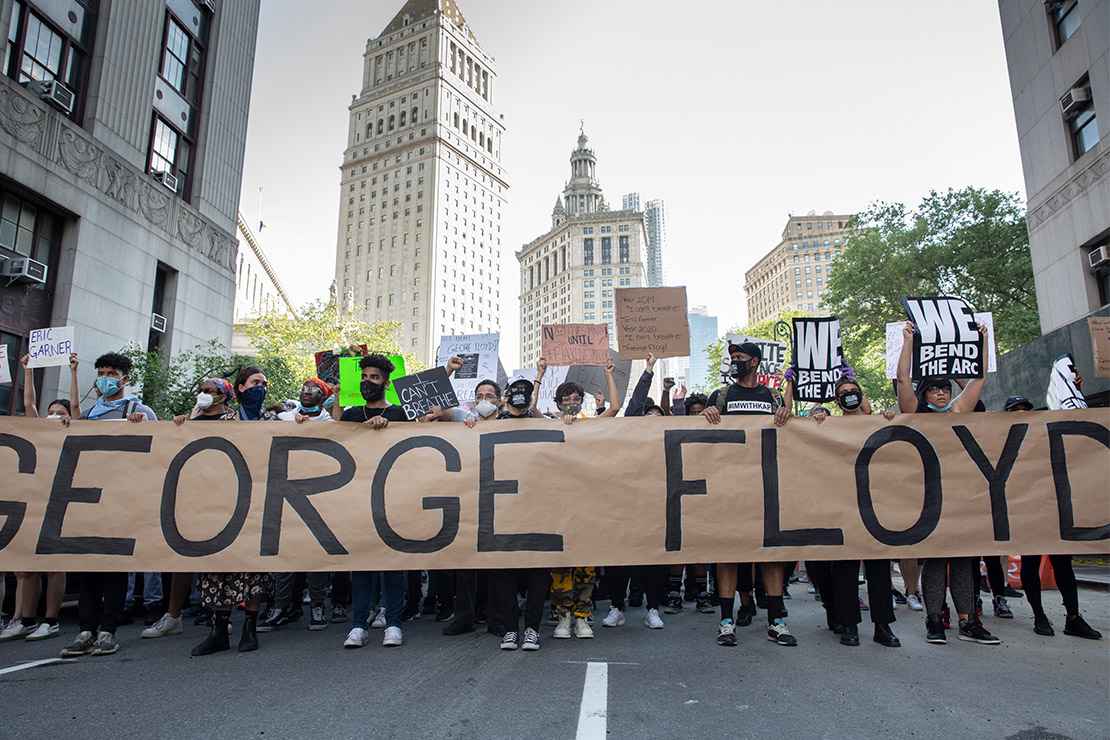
{"points": [[751, 349], [1018, 403]]}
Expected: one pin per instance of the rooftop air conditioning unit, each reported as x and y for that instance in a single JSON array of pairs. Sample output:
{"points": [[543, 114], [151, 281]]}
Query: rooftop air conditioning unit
{"points": [[158, 323], [55, 93], [167, 179], [1075, 101], [23, 269], [1099, 257]]}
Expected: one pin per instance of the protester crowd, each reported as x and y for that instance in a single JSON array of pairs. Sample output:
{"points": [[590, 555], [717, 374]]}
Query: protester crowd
{"points": [[510, 603]]}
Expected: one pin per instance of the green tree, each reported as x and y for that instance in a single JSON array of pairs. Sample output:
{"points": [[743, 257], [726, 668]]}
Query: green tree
{"points": [[970, 242]]}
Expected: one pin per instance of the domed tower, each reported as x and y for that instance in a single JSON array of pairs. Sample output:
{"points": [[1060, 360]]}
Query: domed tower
{"points": [[583, 193]]}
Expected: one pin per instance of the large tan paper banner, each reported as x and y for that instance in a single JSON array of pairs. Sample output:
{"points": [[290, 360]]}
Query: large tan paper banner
{"points": [[239, 496], [652, 320], [575, 344]]}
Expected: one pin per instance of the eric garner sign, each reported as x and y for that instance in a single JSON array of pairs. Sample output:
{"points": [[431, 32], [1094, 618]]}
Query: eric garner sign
{"points": [[50, 347]]}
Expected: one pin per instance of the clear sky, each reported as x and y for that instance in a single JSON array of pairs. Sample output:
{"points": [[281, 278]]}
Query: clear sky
{"points": [[735, 113]]}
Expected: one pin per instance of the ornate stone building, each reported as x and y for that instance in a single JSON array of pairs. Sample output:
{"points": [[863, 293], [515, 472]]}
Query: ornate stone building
{"points": [[122, 132], [422, 187], [568, 274]]}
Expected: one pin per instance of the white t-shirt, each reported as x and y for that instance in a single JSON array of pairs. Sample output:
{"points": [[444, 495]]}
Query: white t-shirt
{"points": [[292, 415]]}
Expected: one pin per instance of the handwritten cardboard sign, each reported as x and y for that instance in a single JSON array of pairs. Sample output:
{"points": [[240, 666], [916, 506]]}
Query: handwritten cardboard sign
{"points": [[652, 320], [5, 368], [575, 344], [50, 347], [1100, 344], [420, 392]]}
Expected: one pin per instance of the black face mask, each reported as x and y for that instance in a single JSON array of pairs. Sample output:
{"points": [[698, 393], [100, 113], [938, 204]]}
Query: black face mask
{"points": [[518, 399], [739, 370], [371, 391], [849, 401]]}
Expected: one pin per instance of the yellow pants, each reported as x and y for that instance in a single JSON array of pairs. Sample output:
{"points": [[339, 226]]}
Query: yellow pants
{"points": [[572, 591]]}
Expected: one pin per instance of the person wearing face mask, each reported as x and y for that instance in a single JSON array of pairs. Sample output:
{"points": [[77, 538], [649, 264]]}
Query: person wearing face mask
{"points": [[221, 593], [934, 396], [837, 580], [101, 600], [311, 403], [23, 624], [746, 396], [376, 414], [572, 588]]}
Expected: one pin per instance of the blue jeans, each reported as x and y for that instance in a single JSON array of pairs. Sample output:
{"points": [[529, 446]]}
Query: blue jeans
{"points": [[152, 588], [362, 592]]}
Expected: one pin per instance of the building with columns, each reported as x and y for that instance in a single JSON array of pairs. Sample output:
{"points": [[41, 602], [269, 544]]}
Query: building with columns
{"points": [[568, 274], [122, 132], [422, 187]]}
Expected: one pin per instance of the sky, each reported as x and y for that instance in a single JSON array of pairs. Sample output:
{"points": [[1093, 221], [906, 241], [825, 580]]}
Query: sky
{"points": [[736, 114]]}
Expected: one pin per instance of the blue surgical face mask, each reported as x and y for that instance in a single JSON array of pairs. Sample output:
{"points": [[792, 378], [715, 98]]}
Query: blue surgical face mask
{"points": [[310, 409], [940, 409], [329, 402], [107, 385]]}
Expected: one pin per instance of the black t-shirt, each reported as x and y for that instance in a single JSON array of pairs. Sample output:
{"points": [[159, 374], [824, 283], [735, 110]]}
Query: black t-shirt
{"points": [[746, 401], [361, 414]]}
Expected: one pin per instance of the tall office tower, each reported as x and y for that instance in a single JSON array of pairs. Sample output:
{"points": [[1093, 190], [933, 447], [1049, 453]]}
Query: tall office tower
{"points": [[703, 332], [655, 221], [422, 187]]}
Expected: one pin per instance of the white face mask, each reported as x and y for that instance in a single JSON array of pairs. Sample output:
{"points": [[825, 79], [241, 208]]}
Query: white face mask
{"points": [[204, 400], [54, 416], [485, 408]]}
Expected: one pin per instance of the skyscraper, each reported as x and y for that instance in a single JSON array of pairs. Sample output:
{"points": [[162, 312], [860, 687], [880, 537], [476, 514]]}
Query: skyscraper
{"points": [[703, 332], [655, 222], [568, 274], [422, 187]]}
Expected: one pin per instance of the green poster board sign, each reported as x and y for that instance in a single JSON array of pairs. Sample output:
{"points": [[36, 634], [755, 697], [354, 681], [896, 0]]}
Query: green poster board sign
{"points": [[350, 380]]}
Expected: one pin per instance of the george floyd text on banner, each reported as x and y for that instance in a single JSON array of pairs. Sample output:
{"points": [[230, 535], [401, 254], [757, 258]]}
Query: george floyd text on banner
{"points": [[237, 496]]}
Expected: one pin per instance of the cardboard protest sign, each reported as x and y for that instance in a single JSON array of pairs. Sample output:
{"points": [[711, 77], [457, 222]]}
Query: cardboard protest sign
{"points": [[5, 365], [420, 392], [947, 343], [525, 494], [479, 355], [1100, 344], [327, 363], [575, 344], [770, 367], [350, 380], [894, 344], [50, 347], [592, 378], [817, 358], [1063, 393], [652, 320]]}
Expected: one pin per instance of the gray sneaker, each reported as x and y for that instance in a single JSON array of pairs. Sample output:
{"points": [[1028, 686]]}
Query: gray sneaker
{"points": [[105, 644], [81, 645]]}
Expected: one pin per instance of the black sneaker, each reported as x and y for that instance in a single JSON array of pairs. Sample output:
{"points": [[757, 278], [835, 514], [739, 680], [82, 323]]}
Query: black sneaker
{"points": [[277, 618], [1002, 609], [705, 603], [1077, 627], [673, 603], [744, 615], [1042, 626], [972, 630], [779, 633], [934, 632], [1012, 593], [317, 621], [443, 613], [726, 633], [203, 618], [899, 597]]}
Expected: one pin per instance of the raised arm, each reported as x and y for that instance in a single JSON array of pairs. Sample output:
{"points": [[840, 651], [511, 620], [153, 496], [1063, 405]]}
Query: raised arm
{"points": [[453, 364], [74, 390], [969, 397], [30, 404], [665, 396], [638, 401], [614, 395], [541, 368], [907, 401]]}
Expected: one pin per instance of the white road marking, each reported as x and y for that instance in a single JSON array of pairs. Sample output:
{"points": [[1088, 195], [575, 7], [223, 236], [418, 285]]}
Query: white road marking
{"points": [[592, 716], [34, 664]]}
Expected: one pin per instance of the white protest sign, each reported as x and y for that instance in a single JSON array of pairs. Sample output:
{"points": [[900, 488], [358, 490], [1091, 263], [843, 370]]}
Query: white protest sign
{"points": [[817, 358], [894, 344], [770, 366], [479, 355], [1063, 393], [5, 370], [50, 347], [552, 379]]}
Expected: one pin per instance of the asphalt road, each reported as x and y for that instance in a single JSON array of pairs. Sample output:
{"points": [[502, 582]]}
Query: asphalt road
{"points": [[663, 684]]}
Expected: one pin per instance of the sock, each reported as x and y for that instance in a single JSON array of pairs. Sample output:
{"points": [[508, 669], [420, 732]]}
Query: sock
{"points": [[27, 621], [775, 609], [726, 607], [51, 621]]}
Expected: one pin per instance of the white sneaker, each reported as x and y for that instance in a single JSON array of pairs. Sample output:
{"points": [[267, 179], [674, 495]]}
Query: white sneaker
{"points": [[393, 637], [167, 625], [914, 602], [582, 629], [562, 629], [15, 630], [508, 641], [379, 620], [615, 618], [356, 638], [44, 632], [652, 620]]}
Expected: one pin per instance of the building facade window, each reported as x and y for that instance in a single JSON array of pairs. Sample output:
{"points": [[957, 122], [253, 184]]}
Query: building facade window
{"points": [[1064, 15], [39, 50], [587, 251], [606, 249], [1082, 123], [624, 251]]}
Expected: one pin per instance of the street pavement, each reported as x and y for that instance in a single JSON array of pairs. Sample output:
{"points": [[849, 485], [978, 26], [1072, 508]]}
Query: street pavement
{"points": [[631, 682]]}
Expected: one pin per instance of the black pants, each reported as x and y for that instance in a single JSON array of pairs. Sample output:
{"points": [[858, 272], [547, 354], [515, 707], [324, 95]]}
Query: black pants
{"points": [[996, 577], [504, 611], [341, 588], [652, 578], [100, 601], [1065, 581], [838, 583]]}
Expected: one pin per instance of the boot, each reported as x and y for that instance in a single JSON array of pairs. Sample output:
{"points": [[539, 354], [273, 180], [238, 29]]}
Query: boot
{"points": [[217, 640], [850, 635], [248, 640]]}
